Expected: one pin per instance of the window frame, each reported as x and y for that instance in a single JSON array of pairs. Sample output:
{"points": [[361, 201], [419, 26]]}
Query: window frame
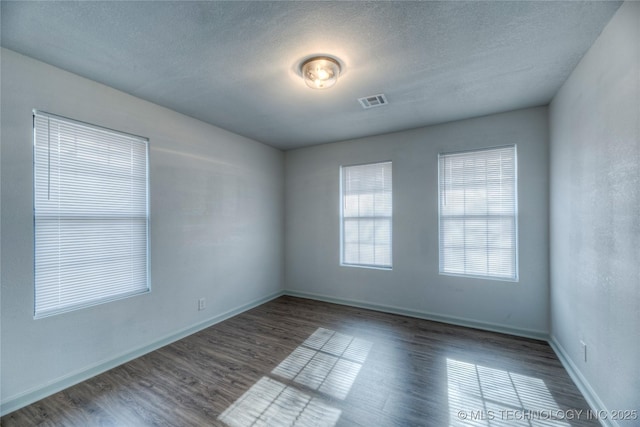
{"points": [[342, 221], [516, 276], [115, 295]]}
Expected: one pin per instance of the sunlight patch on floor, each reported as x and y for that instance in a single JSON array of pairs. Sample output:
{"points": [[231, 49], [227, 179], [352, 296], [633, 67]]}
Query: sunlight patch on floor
{"points": [[327, 361], [271, 403], [487, 397]]}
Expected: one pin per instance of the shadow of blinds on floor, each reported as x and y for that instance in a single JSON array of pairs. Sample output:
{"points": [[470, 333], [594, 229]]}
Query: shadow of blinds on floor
{"points": [[327, 362]]}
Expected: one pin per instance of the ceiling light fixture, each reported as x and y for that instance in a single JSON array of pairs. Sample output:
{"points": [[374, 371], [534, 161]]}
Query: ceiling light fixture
{"points": [[320, 72]]}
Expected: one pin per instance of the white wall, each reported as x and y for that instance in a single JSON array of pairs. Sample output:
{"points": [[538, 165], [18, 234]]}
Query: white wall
{"points": [[216, 231], [595, 216], [312, 264]]}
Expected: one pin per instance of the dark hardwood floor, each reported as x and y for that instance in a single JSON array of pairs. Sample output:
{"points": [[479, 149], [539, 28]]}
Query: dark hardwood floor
{"points": [[294, 361]]}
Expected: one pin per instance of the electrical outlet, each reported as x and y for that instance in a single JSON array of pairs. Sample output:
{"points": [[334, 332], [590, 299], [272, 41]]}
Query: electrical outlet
{"points": [[584, 350], [202, 304]]}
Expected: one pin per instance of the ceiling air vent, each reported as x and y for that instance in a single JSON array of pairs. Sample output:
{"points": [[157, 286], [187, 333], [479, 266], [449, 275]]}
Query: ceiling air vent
{"points": [[373, 101]]}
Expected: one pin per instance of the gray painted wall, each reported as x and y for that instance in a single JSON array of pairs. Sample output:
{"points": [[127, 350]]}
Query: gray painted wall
{"points": [[312, 241], [595, 214], [216, 228]]}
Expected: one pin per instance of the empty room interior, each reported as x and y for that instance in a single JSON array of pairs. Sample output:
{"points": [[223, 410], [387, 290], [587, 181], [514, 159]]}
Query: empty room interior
{"points": [[320, 213]]}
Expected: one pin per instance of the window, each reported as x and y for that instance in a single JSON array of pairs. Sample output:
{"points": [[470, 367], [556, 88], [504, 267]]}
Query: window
{"points": [[366, 212], [91, 214], [478, 213]]}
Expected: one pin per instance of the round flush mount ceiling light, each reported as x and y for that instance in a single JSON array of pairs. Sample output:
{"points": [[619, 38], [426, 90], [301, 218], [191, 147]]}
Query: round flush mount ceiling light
{"points": [[320, 72]]}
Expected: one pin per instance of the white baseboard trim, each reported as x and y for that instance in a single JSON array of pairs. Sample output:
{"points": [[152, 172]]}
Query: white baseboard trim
{"points": [[581, 382], [30, 396], [459, 321]]}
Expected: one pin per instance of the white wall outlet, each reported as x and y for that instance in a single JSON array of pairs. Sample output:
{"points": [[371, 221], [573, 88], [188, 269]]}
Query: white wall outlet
{"points": [[202, 304], [584, 350]]}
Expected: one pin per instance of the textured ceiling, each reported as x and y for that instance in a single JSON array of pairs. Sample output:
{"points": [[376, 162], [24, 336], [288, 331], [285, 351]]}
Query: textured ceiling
{"points": [[235, 64]]}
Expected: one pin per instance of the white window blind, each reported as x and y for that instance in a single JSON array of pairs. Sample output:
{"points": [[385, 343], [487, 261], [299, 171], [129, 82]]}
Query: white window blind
{"points": [[478, 213], [366, 202], [91, 214]]}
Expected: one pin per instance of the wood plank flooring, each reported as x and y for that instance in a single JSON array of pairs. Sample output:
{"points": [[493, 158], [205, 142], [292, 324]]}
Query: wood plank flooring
{"points": [[295, 361]]}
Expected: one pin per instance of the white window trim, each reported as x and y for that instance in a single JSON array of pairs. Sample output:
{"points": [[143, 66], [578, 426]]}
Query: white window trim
{"points": [[516, 277], [341, 211], [101, 300]]}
